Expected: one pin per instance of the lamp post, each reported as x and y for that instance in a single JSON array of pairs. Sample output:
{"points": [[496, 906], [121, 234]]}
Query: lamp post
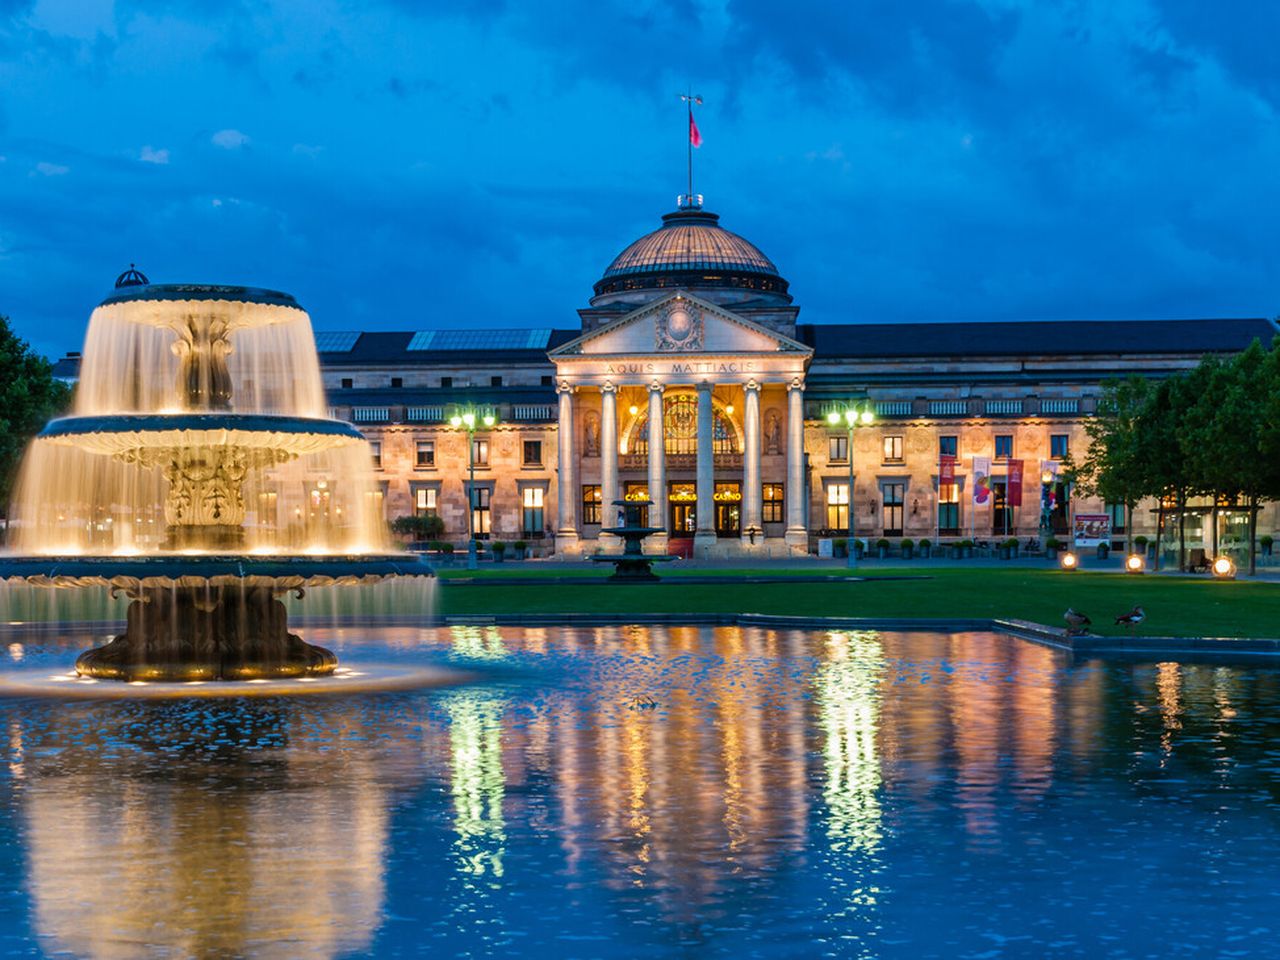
{"points": [[470, 420], [851, 417]]}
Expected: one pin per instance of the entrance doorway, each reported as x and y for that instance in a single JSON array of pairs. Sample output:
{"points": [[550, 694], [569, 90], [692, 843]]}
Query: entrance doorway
{"points": [[728, 509], [683, 500]]}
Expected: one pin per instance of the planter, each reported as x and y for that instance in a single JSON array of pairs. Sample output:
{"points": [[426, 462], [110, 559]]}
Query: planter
{"points": [[882, 553], [1006, 553], [966, 553], [839, 550], [1051, 553], [907, 553], [955, 552], [1103, 551], [926, 553], [858, 552]]}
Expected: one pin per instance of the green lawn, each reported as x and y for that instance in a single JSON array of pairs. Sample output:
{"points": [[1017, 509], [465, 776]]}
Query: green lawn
{"points": [[1174, 606]]}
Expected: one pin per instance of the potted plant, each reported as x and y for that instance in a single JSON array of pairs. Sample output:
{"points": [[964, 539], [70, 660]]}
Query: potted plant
{"points": [[908, 548], [956, 550], [840, 547], [1051, 547], [520, 546], [1265, 543], [859, 548], [882, 548], [926, 549], [1009, 548], [1104, 550], [966, 549], [499, 549]]}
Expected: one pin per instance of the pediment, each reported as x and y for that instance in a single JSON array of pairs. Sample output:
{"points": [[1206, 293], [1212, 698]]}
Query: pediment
{"points": [[679, 325]]}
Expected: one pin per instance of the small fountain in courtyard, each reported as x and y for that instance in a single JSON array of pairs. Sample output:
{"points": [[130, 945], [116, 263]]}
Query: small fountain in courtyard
{"points": [[633, 565], [200, 476]]}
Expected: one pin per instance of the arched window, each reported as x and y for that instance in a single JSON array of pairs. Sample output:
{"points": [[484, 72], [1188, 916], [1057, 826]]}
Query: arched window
{"points": [[680, 428]]}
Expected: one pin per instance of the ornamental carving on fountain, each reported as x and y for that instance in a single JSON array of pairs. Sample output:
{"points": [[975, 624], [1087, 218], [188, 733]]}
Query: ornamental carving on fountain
{"points": [[679, 327]]}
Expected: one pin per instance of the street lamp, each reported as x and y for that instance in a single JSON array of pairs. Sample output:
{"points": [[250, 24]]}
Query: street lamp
{"points": [[851, 417], [470, 420]]}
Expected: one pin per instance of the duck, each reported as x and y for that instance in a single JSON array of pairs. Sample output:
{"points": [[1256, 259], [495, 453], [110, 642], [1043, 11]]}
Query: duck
{"points": [[1132, 618], [1076, 621], [643, 703]]}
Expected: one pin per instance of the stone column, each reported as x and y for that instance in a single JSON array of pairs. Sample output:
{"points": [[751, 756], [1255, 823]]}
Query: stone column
{"points": [[657, 466], [608, 459], [705, 533], [751, 502], [566, 520], [797, 536]]}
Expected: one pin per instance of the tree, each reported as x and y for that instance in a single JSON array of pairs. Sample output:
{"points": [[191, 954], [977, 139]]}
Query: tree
{"points": [[1111, 468], [418, 526], [29, 396]]}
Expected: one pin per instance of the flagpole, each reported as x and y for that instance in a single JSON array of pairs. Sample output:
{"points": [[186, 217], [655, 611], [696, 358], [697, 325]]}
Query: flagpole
{"points": [[688, 135]]}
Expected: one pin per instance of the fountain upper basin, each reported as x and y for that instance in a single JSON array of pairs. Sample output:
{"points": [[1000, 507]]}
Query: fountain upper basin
{"points": [[118, 433]]}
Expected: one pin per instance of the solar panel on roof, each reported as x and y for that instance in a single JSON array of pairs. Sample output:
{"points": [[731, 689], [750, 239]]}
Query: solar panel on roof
{"points": [[336, 341], [536, 339]]}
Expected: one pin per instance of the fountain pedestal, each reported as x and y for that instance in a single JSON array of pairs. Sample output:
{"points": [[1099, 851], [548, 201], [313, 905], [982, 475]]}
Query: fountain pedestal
{"points": [[633, 565]]}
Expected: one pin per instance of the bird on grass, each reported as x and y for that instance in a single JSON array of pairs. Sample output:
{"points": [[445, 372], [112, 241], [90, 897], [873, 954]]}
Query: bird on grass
{"points": [[1132, 618], [643, 703], [1076, 621]]}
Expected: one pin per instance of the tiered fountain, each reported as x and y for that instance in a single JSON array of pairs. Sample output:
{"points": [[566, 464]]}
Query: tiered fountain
{"points": [[200, 477]]}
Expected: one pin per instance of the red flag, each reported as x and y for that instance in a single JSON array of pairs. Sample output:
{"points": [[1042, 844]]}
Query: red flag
{"points": [[695, 135], [947, 473], [1015, 483]]}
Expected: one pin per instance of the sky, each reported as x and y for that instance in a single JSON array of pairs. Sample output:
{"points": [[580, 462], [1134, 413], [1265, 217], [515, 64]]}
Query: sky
{"points": [[407, 165]]}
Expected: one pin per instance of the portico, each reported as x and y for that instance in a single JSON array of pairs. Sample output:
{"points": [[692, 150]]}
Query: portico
{"points": [[683, 402]]}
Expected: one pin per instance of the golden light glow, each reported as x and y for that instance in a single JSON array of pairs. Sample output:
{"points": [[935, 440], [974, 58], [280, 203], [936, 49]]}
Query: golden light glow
{"points": [[1069, 561], [1224, 568], [1134, 563]]}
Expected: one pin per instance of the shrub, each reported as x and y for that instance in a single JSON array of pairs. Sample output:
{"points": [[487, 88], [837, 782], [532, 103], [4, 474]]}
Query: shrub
{"points": [[859, 545], [1052, 543], [520, 545], [965, 544], [499, 547], [418, 527], [926, 543], [882, 543], [840, 543], [1140, 541], [440, 546], [1266, 540], [909, 544], [1011, 543]]}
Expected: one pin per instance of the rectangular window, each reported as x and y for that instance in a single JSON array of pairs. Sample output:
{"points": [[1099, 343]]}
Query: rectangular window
{"points": [[346, 383], [949, 510], [892, 449], [533, 453], [947, 446], [426, 502], [592, 503], [531, 524], [838, 507], [480, 451], [1001, 517], [773, 498], [426, 454], [495, 381], [480, 512], [548, 381], [375, 450], [446, 381], [1116, 512], [1059, 444], [1004, 446], [397, 382], [894, 494], [838, 451]]}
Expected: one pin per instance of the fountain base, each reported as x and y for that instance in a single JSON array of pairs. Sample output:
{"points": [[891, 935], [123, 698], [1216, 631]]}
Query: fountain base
{"points": [[208, 632]]}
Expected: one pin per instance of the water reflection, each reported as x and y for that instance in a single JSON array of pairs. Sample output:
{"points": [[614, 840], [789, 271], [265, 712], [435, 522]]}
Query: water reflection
{"points": [[711, 790]]}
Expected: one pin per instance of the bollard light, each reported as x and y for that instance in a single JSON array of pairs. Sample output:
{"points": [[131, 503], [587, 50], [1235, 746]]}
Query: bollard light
{"points": [[1134, 563], [1069, 561], [1224, 568]]}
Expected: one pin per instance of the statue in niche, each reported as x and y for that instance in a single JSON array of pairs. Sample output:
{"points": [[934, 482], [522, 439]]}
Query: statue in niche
{"points": [[592, 437], [772, 432]]}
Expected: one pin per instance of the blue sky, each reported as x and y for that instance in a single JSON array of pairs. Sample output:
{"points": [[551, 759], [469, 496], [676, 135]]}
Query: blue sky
{"points": [[401, 165]]}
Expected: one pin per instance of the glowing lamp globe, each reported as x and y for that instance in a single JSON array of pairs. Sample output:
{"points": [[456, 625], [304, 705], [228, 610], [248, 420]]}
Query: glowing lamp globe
{"points": [[1224, 568], [1134, 563], [1069, 561]]}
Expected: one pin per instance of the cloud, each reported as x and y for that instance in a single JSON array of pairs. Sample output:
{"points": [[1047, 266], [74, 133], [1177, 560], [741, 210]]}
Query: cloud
{"points": [[46, 169], [149, 154], [229, 139]]}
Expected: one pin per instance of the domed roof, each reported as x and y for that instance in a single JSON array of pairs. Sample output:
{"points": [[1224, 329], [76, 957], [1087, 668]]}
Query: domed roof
{"points": [[691, 249]]}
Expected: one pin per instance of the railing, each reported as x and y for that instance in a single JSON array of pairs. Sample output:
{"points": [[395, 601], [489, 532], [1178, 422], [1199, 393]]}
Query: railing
{"points": [[422, 414], [679, 461], [948, 408], [893, 408], [533, 411], [371, 414], [1060, 406], [1004, 406]]}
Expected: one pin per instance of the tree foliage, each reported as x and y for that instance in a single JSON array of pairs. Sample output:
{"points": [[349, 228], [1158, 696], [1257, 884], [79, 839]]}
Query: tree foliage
{"points": [[29, 396]]}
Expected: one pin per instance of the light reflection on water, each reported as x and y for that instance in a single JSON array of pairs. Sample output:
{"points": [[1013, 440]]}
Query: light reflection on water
{"points": [[787, 793]]}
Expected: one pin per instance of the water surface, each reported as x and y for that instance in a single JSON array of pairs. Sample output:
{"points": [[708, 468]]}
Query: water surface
{"points": [[646, 792]]}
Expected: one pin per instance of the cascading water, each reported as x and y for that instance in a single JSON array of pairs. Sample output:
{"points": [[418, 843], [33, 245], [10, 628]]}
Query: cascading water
{"points": [[199, 475]]}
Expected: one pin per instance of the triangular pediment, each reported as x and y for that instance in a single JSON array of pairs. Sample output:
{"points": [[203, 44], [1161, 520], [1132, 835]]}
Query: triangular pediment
{"points": [[679, 324]]}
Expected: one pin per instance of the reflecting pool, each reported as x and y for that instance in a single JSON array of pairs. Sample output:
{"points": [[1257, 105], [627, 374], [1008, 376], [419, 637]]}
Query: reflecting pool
{"points": [[647, 792]]}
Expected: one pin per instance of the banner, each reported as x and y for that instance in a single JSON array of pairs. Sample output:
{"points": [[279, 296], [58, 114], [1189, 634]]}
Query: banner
{"points": [[1091, 529], [947, 470], [981, 480], [1014, 488]]}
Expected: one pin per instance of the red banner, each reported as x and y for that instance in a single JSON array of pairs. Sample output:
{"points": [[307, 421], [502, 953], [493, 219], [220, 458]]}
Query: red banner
{"points": [[947, 470], [1015, 483]]}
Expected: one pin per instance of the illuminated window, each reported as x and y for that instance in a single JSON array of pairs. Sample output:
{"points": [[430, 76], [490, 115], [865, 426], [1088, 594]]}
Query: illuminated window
{"points": [[773, 498], [837, 506], [480, 514], [1059, 444], [592, 500], [1004, 446], [480, 451], [680, 428], [375, 450], [838, 448], [949, 509], [426, 453], [894, 495], [533, 453], [426, 502], [893, 449], [531, 521]]}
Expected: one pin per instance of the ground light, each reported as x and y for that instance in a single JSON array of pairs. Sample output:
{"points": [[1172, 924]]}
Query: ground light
{"points": [[1069, 561], [1224, 568], [1134, 563]]}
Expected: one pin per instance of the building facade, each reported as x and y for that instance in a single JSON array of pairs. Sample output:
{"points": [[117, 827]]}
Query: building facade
{"points": [[689, 381]]}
